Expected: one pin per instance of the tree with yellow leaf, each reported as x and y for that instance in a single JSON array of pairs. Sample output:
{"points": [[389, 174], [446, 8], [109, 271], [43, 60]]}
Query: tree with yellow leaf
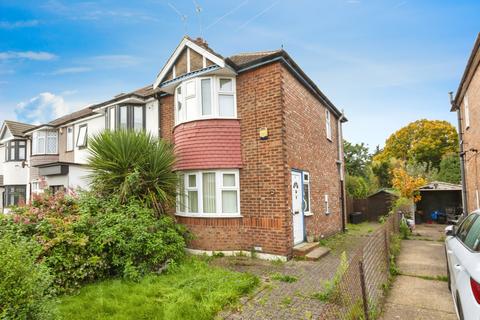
{"points": [[407, 184], [423, 141]]}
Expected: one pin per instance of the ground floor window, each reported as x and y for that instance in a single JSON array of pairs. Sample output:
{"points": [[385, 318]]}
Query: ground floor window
{"points": [[15, 195], [209, 193]]}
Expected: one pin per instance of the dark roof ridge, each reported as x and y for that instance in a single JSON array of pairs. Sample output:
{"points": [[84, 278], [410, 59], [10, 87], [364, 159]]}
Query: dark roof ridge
{"points": [[460, 94]]}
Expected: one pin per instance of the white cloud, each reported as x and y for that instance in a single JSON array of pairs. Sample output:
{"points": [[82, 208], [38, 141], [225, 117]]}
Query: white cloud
{"points": [[29, 55], [71, 70], [18, 24], [42, 108]]}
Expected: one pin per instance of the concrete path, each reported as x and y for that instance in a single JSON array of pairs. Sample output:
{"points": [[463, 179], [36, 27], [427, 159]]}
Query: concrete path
{"points": [[413, 297]]}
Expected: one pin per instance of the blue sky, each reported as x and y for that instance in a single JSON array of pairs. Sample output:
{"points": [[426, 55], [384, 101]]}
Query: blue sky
{"points": [[385, 63]]}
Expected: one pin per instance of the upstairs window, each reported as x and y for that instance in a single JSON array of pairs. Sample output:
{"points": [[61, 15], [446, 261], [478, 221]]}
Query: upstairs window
{"points": [[16, 150], [467, 112], [45, 142], [226, 98], [126, 117], [82, 136], [70, 139], [328, 124], [204, 98]]}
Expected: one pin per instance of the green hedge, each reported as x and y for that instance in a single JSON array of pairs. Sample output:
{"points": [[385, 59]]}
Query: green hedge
{"points": [[24, 283]]}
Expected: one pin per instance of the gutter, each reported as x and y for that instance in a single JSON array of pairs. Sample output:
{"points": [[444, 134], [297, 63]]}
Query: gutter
{"points": [[340, 163], [462, 154]]}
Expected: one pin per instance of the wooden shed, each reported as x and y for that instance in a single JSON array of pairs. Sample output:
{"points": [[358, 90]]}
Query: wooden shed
{"points": [[374, 206]]}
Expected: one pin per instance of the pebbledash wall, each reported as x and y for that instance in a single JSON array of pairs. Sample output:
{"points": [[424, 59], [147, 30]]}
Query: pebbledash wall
{"points": [[268, 97]]}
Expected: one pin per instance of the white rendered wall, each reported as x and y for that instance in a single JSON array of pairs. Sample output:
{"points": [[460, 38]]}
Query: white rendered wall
{"points": [[95, 126]]}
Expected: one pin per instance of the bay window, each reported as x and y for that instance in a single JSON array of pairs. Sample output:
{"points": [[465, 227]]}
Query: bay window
{"points": [[126, 117], [16, 150], [209, 193], [204, 98], [45, 142]]}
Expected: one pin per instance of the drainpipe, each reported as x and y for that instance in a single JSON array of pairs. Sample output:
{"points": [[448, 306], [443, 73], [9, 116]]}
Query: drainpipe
{"points": [[340, 163], [462, 154]]}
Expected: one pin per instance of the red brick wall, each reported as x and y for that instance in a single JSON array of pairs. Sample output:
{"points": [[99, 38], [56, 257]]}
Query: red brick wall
{"points": [[471, 139], [262, 179], [207, 144], [308, 149], [167, 117]]}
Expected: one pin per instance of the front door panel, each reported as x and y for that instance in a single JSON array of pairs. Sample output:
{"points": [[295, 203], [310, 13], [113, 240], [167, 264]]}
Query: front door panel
{"points": [[297, 212]]}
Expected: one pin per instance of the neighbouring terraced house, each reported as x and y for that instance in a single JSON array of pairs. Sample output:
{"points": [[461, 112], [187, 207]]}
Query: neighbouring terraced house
{"points": [[259, 149], [467, 105]]}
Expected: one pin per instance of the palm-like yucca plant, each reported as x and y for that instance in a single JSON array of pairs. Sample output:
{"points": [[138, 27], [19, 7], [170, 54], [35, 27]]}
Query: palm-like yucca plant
{"points": [[133, 164]]}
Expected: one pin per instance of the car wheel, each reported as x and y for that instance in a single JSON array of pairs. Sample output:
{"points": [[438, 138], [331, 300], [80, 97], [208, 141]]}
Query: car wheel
{"points": [[459, 308]]}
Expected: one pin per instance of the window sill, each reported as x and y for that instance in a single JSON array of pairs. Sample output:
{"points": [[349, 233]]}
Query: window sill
{"points": [[208, 215], [308, 214]]}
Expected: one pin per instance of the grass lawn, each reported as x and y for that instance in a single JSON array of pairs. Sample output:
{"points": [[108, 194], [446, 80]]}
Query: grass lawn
{"points": [[193, 290]]}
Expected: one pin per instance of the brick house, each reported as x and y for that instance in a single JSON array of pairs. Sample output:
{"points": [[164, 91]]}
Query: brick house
{"points": [[467, 106], [259, 148]]}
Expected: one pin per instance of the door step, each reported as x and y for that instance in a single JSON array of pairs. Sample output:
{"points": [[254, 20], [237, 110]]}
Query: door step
{"points": [[302, 249], [317, 253], [310, 251]]}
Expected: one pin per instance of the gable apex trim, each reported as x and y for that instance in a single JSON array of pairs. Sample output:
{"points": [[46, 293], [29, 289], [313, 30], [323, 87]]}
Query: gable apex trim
{"points": [[186, 43]]}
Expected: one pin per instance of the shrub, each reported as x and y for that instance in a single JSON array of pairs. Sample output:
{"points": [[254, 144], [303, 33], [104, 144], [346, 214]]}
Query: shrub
{"points": [[24, 283], [131, 240], [89, 238], [53, 221], [404, 229], [357, 187], [134, 165], [403, 205]]}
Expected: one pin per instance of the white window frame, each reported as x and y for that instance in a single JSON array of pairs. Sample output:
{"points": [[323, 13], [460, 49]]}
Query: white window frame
{"points": [[44, 135], [307, 182], [218, 193], [82, 142], [70, 132], [328, 124], [466, 108], [197, 98]]}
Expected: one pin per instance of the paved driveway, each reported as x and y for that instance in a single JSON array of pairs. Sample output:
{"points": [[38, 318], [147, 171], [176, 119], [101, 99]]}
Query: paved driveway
{"points": [[412, 295]]}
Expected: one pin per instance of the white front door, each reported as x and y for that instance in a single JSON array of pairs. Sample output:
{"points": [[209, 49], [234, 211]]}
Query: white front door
{"points": [[297, 211]]}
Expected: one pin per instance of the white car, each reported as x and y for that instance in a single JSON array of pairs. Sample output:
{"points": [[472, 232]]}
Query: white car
{"points": [[462, 246]]}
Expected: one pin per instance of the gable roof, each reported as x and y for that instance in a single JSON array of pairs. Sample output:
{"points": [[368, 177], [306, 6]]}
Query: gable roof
{"points": [[197, 45], [17, 129], [384, 190], [470, 70]]}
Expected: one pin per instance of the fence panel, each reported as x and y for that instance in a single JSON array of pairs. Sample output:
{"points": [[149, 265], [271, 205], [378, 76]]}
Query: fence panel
{"points": [[359, 293]]}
